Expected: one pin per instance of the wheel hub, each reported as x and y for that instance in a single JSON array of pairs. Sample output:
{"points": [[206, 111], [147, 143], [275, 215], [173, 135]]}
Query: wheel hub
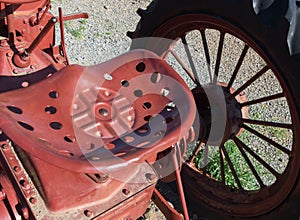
{"points": [[231, 109]]}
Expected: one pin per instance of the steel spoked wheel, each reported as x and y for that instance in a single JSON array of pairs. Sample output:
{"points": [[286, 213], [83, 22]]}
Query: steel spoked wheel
{"points": [[253, 167]]}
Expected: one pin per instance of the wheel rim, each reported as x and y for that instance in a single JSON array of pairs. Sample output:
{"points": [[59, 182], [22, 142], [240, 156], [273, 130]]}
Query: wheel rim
{"points": [[240, 158]]}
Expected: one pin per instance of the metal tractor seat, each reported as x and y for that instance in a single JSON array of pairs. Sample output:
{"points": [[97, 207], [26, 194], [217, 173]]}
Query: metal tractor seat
{"points": [[102, 117]]}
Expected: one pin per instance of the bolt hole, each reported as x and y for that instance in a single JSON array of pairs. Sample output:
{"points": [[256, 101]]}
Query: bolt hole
{"points": [[147, 105], [141, 67], [103, 112], [15, 110], [56, 125], [126, 192], [156, 77], [50, 110], [108, 77], [26, 126], [110, 146], [124, 83], [138, 93], [53, 94], [25, 84]]}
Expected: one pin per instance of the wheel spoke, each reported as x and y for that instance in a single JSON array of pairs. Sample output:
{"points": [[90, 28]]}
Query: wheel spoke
{"points": [[267, 123], [219, 56], [236, 178], [268, 140], [205, 158], [264, 99], [255, 77], [195, 153], [249, 163], [222, 167], [191, 61], [190, 74], [238, 66], [206, 51], [258, 158]]}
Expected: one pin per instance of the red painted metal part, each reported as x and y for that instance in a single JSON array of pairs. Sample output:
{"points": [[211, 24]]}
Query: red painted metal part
{"points": [[79, 142], [49, 192]]}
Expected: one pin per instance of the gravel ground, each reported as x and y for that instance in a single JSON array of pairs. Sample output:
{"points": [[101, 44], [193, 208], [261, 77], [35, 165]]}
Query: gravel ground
{"points": [[103, 35]]}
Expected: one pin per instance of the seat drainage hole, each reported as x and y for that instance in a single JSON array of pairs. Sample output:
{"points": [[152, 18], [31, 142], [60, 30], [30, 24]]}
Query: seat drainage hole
{"points": [[50, 110], [141, 67], [147, 118], [165, 91], [26, 126], [53, 94], [147, 105], [108, 77], [138, 93], [124, 83], [69, 139], [15, 110], [66, 153], [56, 125], [128, 139], [155, 77]]}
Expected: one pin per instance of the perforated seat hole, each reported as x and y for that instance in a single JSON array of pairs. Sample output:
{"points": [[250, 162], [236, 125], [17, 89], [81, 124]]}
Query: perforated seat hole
{"points": [[50, 110], [143, 144], [143, 130], [56, 125], [25, 84], [15, 110], [147, 105], [66, 153], [156, 77], [92, 146], [128, 139], [124, 83], [108, 77], [26, 126], [53, 94], [43, 141], [120, 154], [165, 91], [138, 93], [141, 67], [170, 106], [110, 146], [69, 139], [147, 118], [94, 158]]}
